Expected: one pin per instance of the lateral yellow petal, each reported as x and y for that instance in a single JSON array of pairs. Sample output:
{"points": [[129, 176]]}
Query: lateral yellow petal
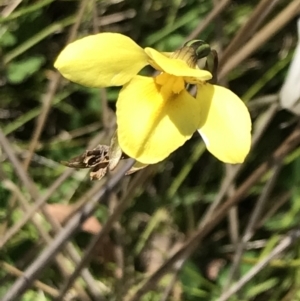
{"points": [[175, 66], [226, 123], [151, 125], [101, 60]]}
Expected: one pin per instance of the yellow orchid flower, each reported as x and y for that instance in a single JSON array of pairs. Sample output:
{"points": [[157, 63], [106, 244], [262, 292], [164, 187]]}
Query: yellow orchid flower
{"points": [[156, 115]]}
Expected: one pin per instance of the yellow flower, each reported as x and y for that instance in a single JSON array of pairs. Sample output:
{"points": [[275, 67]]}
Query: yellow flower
{"points": [[156, 115]]}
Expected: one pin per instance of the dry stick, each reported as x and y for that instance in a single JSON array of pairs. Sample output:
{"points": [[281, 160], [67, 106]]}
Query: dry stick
{"points": [[20, 171], [92, 287], [252, 224], [290, 239], [33, 209], [170, 286], [278, 202], [32, 272], [10, 8], [191, 244], [38, 284], [28, 183], [137, 182], [261, 11], [118, 250], [74, 255], [267, 118], [42, 200], [208, 19], [172, 282], [262, 101], [233, 221], [83, 201], [72, 252], [291, 11], [255, 244], [76, 133]]}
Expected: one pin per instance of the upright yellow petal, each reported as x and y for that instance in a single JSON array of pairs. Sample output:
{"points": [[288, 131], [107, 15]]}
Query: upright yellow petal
{"points": [[150, 125], [226, 123], [101, 60], [175, 67]]}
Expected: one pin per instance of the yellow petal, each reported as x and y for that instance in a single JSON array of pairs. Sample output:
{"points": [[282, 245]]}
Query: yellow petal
{"points": [[175, 66], [150, 125], [136, 167], [226, 123], [101, 60]]}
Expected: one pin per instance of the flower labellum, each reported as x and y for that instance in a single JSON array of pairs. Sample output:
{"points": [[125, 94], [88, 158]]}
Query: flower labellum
{"points": [[156, 115]]}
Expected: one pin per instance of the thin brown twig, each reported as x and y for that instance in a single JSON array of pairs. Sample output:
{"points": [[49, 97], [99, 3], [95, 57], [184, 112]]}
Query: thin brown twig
{"points": [[172, 282], [87, 129], [10, 8], [31, 188], [286, 242], [60, 259], [118, 249], [32, 272], [233, 221], [262, 101], [261, 37], [84, 199], [259, 14], [278, 202], [252, 224], [215, 12], [38, 284], [33, 209], [137, 182]]}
